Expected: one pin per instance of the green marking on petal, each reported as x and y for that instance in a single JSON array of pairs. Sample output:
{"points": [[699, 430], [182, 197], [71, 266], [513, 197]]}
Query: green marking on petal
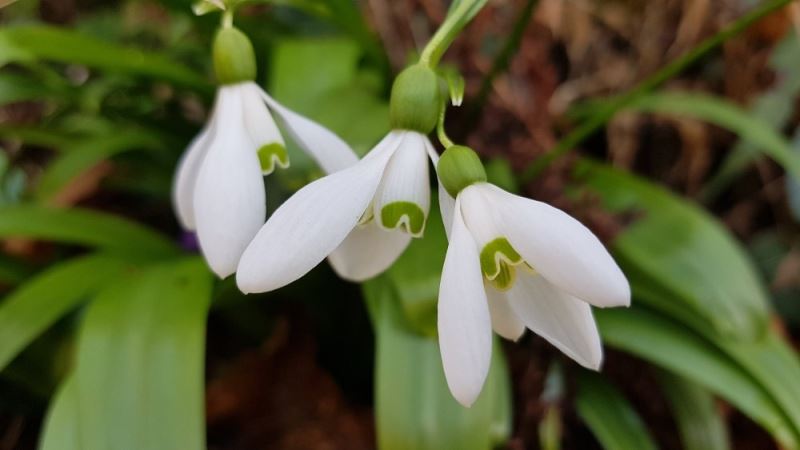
{"points": [[271, 155], [409, 215], [505, 277], [498, 261]]}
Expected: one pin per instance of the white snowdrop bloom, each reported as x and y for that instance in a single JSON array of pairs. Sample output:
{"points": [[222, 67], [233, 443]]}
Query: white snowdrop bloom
{"points": [[514, 263], [218, 189], [361, 218]]}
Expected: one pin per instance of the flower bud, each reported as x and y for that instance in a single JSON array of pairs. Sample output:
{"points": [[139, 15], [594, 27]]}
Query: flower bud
{"points": [[234, 59], [458, 168], [416, 100]]}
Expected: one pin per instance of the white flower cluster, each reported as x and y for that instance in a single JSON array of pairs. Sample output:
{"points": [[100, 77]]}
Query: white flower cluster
{"points": [[512, 263]]}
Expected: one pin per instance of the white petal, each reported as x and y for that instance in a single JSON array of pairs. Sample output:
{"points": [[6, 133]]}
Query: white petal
{"points": [[504, 320], [328, 150], [480, 215], [229, 200], [562, 319], [367, 252], [312, 223], [432, 154], [258, 120], [186, 178], [465, 328], [406, 180], [560, 248], [446, 206], [186, 174]]}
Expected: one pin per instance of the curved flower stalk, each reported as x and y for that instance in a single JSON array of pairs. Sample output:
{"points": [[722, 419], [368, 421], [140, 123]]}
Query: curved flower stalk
{"points": [[219, 186], [361, 218], [515, 263]]}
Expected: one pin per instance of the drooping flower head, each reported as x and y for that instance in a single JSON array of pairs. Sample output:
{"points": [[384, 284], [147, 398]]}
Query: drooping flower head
{"points": [[361, 218], [514, 263], [219, 186]]}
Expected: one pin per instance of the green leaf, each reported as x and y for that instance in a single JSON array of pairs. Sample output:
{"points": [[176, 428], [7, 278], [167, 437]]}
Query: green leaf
{"points": [[416, 275], [41, 42], [413, 405], [60, 431], [749, 127], [82, 156], [313, 75], [775, 106], [18, 88], [700, 267], [12, 271], [84, 227], [774, 364], [610, 416], [679, 350], [695, 411], [140, 358], [705, 270], [304, 69], [37, 136], [45, 298]]}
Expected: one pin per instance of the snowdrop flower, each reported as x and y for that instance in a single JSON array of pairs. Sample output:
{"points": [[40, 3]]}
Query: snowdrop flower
{"points": [[363, 217], [219, 186], [514, 263]]}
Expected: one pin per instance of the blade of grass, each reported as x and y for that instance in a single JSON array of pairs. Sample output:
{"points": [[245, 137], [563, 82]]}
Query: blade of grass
{"points": [[749, 127], [591, 125]]}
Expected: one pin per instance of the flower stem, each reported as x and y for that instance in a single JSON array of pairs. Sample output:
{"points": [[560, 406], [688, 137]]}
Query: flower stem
{"points": [[440, 131], [227, 18], [457, 19], [614, 105]]}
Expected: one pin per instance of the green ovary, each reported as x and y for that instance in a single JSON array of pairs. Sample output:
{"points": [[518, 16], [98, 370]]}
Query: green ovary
{"points": [[393, 213], [273, 154], [498, 261]]}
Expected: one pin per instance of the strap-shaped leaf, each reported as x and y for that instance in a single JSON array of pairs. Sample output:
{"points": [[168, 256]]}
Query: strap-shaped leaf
{"points": [[700, 265], [41, 301], [82, 156], [139, 370], [60, 431], [414, 408], [727, 115], [695, 411], [610, 416], [678, 349], [42, 42], [84, 227]]}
